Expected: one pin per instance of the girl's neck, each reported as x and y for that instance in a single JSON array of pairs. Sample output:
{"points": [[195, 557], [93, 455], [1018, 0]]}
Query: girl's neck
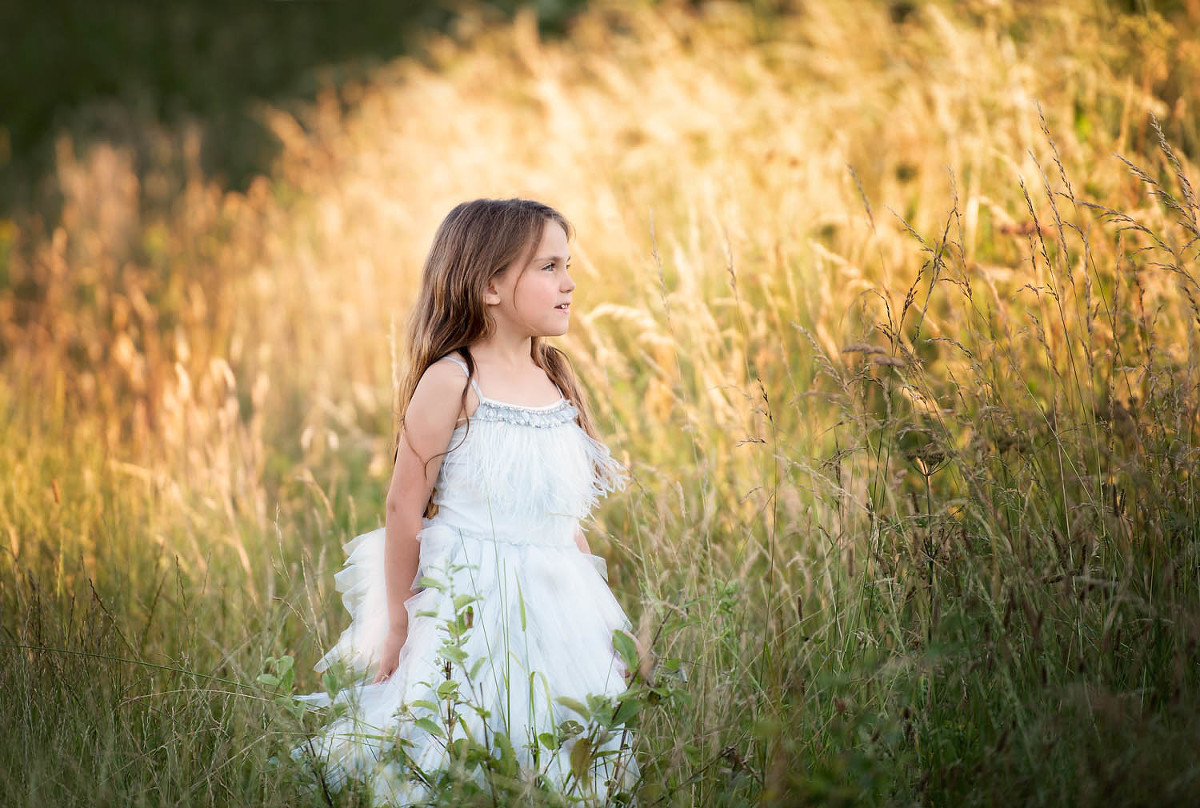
{"points": [[509, 373], [506, 352]]}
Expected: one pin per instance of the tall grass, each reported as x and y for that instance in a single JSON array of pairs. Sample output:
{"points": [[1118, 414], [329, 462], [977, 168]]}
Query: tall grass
{"points": [[899, 353]]}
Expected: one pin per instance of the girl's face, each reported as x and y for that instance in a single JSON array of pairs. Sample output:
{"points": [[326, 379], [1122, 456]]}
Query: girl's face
{"points": [[533, 295]]}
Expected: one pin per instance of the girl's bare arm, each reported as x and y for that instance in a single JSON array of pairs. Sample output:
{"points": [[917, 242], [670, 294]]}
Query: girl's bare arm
{"points": [[428, 424]]}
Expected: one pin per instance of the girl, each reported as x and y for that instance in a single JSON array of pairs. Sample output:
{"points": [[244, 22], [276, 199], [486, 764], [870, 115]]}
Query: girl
{"points": [[500, 670]]}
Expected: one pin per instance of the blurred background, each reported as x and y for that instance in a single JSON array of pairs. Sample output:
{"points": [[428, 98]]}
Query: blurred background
{"points": [[890, 306], [110, 70]]}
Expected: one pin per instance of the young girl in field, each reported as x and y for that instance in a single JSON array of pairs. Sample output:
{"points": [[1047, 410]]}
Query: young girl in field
{"points": [[505, 652]]}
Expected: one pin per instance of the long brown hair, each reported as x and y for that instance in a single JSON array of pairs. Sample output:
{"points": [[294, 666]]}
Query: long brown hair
{"points": [[474, 243]]}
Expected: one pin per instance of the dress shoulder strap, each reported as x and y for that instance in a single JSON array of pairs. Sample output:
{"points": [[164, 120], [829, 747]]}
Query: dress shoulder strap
{"points": [[465, 370]]}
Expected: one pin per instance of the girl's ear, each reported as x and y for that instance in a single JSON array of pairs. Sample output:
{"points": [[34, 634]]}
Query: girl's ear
{"points": [[491, 295]]}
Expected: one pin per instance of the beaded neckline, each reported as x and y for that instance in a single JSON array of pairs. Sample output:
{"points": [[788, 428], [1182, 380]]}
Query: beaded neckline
{"points": [[523, 407], [556, 414]]}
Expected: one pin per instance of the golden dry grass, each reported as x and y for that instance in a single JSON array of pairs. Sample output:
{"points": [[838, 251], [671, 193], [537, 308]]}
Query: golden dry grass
{"points": [[750, 195]]}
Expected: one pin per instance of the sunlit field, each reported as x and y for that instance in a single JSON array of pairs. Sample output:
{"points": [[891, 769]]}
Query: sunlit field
{"points": [[891, 310]]}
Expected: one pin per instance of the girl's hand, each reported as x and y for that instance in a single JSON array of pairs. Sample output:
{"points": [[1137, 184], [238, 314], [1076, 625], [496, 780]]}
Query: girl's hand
{"points": [[582, 543], [389, 656]]}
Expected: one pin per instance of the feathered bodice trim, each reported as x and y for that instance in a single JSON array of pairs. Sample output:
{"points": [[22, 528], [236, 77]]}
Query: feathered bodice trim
{"points": [[532, 467]]}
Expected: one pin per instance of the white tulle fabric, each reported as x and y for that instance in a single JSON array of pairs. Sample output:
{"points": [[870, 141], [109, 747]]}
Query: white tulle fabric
{"points": [[510, 495]]}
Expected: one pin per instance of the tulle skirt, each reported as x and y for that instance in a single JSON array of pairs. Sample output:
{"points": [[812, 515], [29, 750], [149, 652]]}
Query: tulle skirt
{"points": [[509, 655]]}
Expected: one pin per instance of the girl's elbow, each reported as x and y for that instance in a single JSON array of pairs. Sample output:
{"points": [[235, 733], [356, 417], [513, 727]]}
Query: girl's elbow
{"points": [[401, 510]]}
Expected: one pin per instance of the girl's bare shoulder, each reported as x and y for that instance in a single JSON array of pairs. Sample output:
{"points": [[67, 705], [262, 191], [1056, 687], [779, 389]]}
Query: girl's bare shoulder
{"points": [[440, 392], [442, 378]]}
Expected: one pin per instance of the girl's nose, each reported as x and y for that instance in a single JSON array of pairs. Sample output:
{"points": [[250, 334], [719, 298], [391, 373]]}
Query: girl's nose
{"points": [[568, 282]]}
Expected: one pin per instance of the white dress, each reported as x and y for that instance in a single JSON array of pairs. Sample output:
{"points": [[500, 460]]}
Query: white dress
{"points": [[510, 611]]}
